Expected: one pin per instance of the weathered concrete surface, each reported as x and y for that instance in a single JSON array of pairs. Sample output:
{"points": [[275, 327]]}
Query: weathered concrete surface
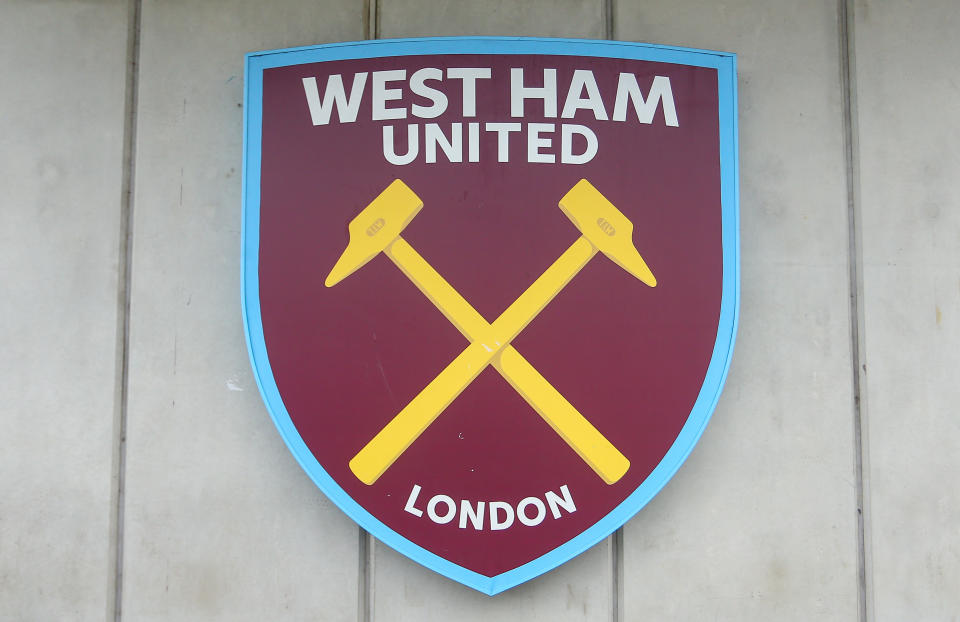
{"points": [[221, 523], [62, 67], [582, 589], [760, 523], [910, 209], [531, 18]]}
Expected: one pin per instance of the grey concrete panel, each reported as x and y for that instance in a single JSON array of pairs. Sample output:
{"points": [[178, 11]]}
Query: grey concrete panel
{"points": [[906, 59], [221, 522], [582, 589], [760, 523], [62, 67], [540, 18]]}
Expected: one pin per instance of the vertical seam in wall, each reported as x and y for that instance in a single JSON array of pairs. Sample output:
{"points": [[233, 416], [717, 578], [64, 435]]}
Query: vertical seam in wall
{"points": [[365, 18], [371, 19], [608, 11], [365, 551], [124, 263], [616, 546], [366, 544], [857, 342]]}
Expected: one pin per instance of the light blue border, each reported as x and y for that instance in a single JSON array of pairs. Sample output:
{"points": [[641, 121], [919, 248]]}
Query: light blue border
{"points": [[723, 62]]}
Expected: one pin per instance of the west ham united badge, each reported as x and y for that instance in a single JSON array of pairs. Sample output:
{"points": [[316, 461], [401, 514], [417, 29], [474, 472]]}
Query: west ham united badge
{"points": [[490, 285]]}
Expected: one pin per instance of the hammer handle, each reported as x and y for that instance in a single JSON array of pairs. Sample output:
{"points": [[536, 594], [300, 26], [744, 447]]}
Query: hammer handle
{"points": [[599, 454], [592, 446], [383, 450]]}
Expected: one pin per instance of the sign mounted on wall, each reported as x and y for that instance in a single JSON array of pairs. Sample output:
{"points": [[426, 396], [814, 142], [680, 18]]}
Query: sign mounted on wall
{"points": [[490, 285]]}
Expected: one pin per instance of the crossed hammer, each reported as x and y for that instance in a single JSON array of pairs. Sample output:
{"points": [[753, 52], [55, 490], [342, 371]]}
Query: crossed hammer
{"points": [[377, 228]]}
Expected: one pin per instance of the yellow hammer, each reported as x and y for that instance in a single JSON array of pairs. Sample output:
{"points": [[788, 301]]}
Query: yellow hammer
{"points": [[604, 228]]}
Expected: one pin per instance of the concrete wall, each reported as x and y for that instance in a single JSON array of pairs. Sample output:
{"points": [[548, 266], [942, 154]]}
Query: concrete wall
{"points": [[142, 477]]}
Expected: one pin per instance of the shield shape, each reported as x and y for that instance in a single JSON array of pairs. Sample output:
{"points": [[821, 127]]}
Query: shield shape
{"points": [[490, 285]]}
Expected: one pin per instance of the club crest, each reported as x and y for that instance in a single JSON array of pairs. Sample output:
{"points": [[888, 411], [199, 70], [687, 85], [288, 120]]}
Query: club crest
{"points": [[490, 285]]}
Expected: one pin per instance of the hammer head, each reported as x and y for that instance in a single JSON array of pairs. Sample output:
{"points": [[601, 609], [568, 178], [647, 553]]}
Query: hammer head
{"points": [[373, 229], [606, 228]]}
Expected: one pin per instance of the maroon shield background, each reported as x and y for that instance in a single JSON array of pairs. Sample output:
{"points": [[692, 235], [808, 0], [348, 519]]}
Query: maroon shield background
{"points": [[631, 358]]}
